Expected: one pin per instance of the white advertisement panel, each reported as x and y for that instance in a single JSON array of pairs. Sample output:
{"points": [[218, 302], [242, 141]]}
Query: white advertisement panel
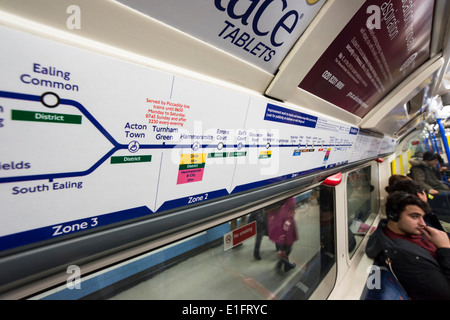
{"points": [[259, 32]]}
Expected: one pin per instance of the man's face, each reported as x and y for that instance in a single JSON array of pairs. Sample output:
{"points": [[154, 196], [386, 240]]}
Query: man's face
{"points": [[411, 220]]}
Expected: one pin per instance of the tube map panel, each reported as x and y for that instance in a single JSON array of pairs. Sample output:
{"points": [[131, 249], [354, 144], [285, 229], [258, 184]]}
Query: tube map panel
{"points": [[89, 140]]}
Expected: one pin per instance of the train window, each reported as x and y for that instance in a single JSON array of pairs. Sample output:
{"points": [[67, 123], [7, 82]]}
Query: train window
{"points": [[362, 204], [204, 266]]}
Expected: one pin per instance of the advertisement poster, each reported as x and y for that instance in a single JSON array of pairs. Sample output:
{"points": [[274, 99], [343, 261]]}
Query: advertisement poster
{"points": [[380, 46], [259, 32]]}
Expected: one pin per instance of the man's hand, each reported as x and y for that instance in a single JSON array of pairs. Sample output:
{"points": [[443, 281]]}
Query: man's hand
{"points": [[433, 191], [437, 237]]}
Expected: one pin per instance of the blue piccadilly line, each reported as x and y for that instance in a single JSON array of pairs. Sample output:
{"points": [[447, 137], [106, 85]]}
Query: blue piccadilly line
{"points": [[116, 146], [94, 121], [82, 109]]}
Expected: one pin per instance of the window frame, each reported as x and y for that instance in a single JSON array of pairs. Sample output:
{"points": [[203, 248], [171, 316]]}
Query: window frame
{"points": [[374, 211]]}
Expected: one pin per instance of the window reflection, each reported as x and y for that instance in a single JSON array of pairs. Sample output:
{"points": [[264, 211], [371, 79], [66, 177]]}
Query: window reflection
{"points": [[298, 235], [291, 253], [362, 204]]}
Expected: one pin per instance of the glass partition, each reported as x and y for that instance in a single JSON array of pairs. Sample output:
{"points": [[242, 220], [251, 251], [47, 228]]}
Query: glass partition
{"points": [[282, 251]]}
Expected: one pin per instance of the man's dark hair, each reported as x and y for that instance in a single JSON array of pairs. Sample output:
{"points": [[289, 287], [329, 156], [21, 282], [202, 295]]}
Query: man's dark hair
{"points": [[428, 156], [406, 185], [398, 200]]}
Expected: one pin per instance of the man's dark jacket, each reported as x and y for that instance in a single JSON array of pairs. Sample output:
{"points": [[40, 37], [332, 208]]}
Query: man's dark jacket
{"points": [[421, 275]]}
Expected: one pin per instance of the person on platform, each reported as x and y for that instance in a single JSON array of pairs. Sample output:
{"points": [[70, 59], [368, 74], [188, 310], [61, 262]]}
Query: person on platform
{"points": [[282, 231]]}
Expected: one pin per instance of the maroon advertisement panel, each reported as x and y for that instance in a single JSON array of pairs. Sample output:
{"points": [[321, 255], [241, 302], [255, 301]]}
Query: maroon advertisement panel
{"points": [[383, 43]]}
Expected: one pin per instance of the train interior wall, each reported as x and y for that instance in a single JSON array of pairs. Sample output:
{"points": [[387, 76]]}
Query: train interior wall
{"points": [[175, 244]]}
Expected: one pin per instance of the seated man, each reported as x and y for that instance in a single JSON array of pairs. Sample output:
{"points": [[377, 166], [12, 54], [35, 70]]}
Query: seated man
{"points": [[425, 172], [413, 187], [418, 255], [428, 176]]}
